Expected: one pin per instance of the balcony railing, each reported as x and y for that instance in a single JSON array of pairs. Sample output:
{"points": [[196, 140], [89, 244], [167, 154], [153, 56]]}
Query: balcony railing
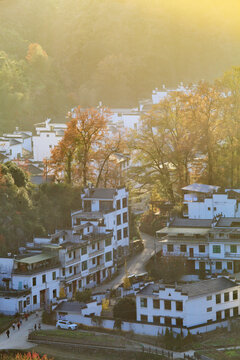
{"points": [[39, 269], [96, 268], [95, 253], [72, 261], [70, 277], [232, 255]]}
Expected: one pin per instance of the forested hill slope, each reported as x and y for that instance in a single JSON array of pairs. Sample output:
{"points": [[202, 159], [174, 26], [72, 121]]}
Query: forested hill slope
{"points": [[55, 54]]}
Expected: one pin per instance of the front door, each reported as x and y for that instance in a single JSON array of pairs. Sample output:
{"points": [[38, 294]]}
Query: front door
{"points": [[98, 277], [42, 297]]}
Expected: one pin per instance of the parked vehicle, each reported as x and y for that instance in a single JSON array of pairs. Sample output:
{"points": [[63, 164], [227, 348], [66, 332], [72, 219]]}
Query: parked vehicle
{"points": [[67, 325]]}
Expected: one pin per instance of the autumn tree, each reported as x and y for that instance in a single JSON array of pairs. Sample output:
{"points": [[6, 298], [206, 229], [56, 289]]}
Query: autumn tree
{"points": [[165, 145]]}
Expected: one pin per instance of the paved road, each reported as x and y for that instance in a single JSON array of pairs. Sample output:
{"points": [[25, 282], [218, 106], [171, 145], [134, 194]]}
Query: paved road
{"points": [[18, 338], [135, 265]]}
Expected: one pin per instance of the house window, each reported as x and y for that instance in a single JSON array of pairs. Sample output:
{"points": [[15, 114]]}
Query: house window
{"points": [[226, 296], [218, 315], [125, 217], [167, 305], [229, 265], [143, 302], [93, 246], [202, 248], [144, 318], [54, 275], [124, 202], [108, 242], [179, 322], [183, 248], [156, 320], [54, 293], [118, 205], [216, 249], [93, 261], [70, 269], [209, 208], [179, 305], [34, 281], [227, 313], [119, 219], [218, 265], [214, 209], [125, 232], [84, 250], [84, 265], [235, 294], [108, 256], [79, 284], [209, 309], [235, 311], [168, 321], [209, 297], [218, 299], [233, 248], [156, 304], [119, 234], [43, 279], [170, 248], [63, 271], [35, 299]]}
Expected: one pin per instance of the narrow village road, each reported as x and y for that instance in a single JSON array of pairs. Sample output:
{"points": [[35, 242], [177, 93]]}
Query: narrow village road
{"points": [[18, 338], [135, 265]]}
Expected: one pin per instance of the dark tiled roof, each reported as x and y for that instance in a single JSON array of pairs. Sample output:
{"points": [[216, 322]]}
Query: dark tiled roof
{"points": [[194, 223], [208, 286], [198, 288], [73, 306], [202, 188], [101, 193], [228, 222]]}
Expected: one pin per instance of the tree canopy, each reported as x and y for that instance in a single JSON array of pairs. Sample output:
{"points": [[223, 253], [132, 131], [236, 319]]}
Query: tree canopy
{"points": [[57, 54]]}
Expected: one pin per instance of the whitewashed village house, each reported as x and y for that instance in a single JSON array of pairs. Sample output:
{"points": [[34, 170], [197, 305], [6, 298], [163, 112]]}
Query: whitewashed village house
{"points": [[189, 306]]}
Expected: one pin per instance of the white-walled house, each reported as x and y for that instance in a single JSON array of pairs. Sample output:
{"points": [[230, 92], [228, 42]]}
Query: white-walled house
{"points": [[108, 207], [11, 148], [189, 305], [211, 246], [75, 310], [47, 136]]}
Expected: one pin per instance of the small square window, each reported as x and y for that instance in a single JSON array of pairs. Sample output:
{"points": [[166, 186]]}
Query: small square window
{"points": [[170, 248], [218, 265], [156, 320], [202, 248], [235, 294], [229, 265], [209, 309], [143, 302], [179, 305], [144, 318], [209, 297], [156, 304], [218, 299], [226, 296], [167, 305], [183, 248]]}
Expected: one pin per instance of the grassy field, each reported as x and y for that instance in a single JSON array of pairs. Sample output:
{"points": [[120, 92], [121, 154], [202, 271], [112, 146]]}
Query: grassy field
{"points": [[86, 354], [5, 322], [84, 337]]}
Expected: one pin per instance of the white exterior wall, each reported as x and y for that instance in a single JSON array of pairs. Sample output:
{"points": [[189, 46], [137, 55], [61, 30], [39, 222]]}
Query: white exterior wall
{"points": [[6, 266], [21, 281], [218, 204], [11, 306], [191, 316], [43, 144]]}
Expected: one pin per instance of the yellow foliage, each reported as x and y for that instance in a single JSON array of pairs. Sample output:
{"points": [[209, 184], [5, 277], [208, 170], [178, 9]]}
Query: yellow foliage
{"points": [[62, 293], [105, 304], [126, 283]]}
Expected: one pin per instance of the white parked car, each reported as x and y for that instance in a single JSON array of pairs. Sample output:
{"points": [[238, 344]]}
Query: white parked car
{"points": [[65, 324]]}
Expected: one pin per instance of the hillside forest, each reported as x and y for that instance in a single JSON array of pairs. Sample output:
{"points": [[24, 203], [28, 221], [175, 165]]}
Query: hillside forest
{"points": [[56, 54]]}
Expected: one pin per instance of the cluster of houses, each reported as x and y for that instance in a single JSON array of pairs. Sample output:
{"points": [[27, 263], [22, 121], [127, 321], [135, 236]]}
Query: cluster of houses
{"points": [[70, 259], [29, 149]]}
